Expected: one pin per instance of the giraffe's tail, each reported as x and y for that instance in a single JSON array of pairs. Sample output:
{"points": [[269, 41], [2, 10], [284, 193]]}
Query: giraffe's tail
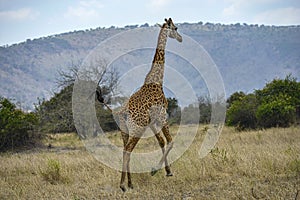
{"points": [[99, 95], [107, 107], [101, 99]]}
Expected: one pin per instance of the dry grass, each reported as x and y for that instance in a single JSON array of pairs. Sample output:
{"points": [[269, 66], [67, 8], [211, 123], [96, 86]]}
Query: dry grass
{"points": [[243, 165]]}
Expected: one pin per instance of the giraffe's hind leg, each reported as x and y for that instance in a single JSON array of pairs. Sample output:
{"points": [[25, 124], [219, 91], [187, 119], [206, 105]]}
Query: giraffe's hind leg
{"points": [[168, 137], [128, 148], [123, 127], [125, 137]]}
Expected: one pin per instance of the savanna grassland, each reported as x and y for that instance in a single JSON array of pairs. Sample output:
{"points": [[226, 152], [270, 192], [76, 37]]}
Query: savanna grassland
{"points": [[261, 164]]}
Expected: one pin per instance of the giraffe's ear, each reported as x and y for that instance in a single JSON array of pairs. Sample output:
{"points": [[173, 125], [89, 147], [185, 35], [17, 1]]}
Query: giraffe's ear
{"points": [[159, 25]]}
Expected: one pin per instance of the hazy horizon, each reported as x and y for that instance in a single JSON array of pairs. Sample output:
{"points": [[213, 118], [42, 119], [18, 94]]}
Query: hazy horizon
{"points": [[22, 20]]}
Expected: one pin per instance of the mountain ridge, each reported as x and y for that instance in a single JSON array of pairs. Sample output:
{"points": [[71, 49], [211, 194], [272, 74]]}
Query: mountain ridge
{"points": [[247, 56]]}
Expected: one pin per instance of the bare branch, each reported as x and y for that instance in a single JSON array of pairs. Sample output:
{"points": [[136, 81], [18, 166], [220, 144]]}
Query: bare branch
{"points": [[67, 77], [96, 71]]}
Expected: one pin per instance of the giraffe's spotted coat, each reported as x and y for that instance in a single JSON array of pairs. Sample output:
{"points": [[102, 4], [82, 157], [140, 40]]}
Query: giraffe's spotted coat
{"points": [[147, 107]]}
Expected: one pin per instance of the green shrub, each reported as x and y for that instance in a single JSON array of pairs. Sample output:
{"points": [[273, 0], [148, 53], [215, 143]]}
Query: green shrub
{"points": [[276, 113], [219, 154], [52, 173], [294, 167], [242, 113], [16, 127]]}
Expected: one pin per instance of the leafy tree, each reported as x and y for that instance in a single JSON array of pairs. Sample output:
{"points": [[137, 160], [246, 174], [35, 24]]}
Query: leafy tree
{"points": [[56, 114], [242, 112], [205, 110], [279, 101], [173, 111], [190, 114], [277, 104], [287, 89], [105, 118], [237, 96], [16, 127]]}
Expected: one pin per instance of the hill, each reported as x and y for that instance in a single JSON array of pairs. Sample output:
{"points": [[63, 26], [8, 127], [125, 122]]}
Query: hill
{"points": [[247, 56]]}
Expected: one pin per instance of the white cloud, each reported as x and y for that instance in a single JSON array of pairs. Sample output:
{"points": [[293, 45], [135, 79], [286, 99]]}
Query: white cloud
{"points": [[91, 4], [84, 10], [80, 12], [158, 4], [238, 7], [283, 16], [19, 15], [233, 8], [271, 12], [229, 11]]}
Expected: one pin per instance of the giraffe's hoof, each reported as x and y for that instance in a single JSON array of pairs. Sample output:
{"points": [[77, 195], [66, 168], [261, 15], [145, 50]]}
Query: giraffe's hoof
{"points": [[130, 186], [123, 188], [169, 174], [153, 171]]}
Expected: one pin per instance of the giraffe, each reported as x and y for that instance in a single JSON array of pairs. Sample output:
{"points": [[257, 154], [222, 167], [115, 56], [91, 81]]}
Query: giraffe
{"points": [[147, 108]]}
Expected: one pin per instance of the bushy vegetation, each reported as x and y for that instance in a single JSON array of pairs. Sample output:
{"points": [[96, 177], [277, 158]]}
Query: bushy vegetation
{"points": [[56, 114], [16, 126], [173, 111], [52, 173], [205, 108], [242, 111], [199, 112], [276, 105], [279, 101]]}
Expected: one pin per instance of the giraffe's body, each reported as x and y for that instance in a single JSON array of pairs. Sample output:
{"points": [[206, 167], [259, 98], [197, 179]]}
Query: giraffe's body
{"points": [[147, 107]]}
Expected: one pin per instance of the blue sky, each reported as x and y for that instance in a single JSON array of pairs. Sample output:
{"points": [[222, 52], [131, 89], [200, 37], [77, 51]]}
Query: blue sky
{"points": [[28, 19]]}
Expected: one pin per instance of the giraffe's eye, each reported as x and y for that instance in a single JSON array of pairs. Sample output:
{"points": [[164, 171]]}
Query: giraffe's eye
{"points": [[175, 28]]}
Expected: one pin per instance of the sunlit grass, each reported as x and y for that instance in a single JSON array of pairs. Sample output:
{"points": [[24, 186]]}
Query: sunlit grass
{"points": [[243, 165]]}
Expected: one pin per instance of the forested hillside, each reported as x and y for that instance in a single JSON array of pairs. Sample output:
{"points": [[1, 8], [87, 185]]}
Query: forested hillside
{"points": [[247, 56]]}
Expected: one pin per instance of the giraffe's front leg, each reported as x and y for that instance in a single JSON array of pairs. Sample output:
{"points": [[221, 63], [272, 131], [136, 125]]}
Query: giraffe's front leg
{"points": [[165, 152], [161, 143], [132, 141]]}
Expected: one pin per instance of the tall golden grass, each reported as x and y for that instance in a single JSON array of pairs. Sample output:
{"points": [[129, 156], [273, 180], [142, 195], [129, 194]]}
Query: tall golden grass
{"points": [[262, 164]]}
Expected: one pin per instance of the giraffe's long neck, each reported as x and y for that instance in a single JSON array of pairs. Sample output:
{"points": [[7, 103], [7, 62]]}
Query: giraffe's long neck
{"points": [[156, 73]]}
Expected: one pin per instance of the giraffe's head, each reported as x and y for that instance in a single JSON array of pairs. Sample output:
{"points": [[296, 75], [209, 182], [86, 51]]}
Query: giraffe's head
{"points": [[171, 30]]}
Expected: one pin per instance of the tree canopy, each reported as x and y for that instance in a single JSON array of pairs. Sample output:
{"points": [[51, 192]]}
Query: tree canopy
{"points": [[277, 104]]}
